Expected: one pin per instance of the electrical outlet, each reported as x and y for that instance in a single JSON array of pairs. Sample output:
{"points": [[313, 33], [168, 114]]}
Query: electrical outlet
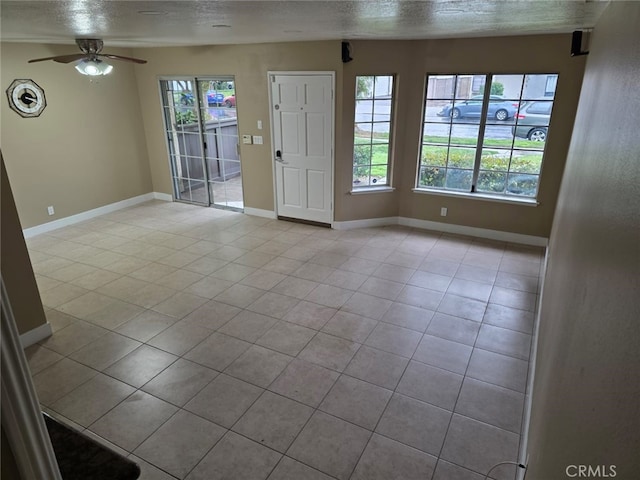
{"points": [[50, 210], [246, 139], [443, 212]]}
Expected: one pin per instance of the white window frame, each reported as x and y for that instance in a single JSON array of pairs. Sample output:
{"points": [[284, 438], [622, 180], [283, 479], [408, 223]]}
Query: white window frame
{"points": [[387, 186], [504, 196]]}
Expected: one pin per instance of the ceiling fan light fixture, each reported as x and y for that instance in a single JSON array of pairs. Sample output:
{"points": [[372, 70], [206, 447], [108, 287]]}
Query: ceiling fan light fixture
{"points": [[93, 67]]}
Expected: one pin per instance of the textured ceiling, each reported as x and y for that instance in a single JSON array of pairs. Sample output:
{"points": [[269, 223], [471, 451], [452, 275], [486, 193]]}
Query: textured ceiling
{"points": [[167, 23]]}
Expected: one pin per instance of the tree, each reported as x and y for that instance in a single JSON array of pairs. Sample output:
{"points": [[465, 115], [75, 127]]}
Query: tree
{"points": [[497, 88], [363, 87]]}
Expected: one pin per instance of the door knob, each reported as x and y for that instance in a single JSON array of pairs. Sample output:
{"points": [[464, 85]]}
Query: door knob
{"points": [[279, 156]]}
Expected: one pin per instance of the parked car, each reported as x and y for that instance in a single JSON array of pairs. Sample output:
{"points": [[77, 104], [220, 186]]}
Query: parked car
{"points": [[230, 101], [533, 121], [213, 98], [499, 108]]}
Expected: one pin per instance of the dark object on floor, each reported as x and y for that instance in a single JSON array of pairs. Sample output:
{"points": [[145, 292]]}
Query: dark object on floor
{"points": [[81, 458]]}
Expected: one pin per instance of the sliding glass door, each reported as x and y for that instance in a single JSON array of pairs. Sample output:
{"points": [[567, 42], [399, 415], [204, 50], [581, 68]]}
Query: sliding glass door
{"points": [[201, 127]]}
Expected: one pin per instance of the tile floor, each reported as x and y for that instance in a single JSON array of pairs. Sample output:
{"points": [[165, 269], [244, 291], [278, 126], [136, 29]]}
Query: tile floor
{"points": [[207, 344]]}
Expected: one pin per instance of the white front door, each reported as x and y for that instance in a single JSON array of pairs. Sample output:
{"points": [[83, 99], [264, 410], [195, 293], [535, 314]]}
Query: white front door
{"points": [[302, 112]]}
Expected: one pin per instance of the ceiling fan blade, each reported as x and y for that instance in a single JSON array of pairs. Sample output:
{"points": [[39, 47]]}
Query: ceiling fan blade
{"points": [[61, 58], [120, 57]]}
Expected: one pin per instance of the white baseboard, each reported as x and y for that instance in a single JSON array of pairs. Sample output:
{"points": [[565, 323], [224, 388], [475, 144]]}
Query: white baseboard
{"points": [[475, 232], [257, 212], [165, 197], [89, 214], [365, 223], [35, 335], [444, 227]]}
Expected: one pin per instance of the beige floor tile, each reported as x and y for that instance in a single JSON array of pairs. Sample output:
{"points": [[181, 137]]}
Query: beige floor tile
{"points": [[180, 337], [180, 382], [61, 294], [448, 471], [104, 351], [407, 316], [218, 351], [478, 446], [350, 326], [377, 367], [248, 326], [505, 341], [240, 296], [506, 317], [262, 279], [73, 337], [180, 443], [329, 296], [454, 328], [393, 339], [356, 401], [55, 381], [141, 365], [224, 400], [208, 287], [491, 404], [149, 472], [329, 351], [305, 382], [146, 325], [180, 304], [96, 279], [498, 369], [432, 385], [259, 366], [236, 457], [420, 297], [415, 423], [295, 287], [92, 399], [273, 421], [330, 445], [273, 304], [133, 420], [40, 357], [384, 459], [462, 307], [286, 338], [233, 272], [290, 469], [442, 353], [212, 315]]}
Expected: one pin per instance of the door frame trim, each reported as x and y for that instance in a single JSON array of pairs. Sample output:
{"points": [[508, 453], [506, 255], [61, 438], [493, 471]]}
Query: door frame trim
{"points": [[292, 73]]}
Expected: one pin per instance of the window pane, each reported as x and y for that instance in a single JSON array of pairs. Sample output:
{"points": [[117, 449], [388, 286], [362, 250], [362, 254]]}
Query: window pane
{"points": [[432, 155], [459, 179], [495, 159], [361, 176], [521, 184], [433, 110], [498, 136], [539, 86], [432, 177], [492, 182], [462, 157], [364, 87], [507, 86], [379, 154], [362, 132], [382, 110], [464, 135], [440, 86], [526, 161], [469, 86], [379, 174], [372, 129], [381, 132], [436, 132], [364, 110]]}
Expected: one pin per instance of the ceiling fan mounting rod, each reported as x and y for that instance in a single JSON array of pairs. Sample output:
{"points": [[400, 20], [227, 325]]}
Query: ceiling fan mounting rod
{"points": [[89, 45]]}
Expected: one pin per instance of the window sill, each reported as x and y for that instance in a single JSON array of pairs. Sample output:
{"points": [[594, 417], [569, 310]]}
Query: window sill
{"points": [[527, 202], [364, 190]]}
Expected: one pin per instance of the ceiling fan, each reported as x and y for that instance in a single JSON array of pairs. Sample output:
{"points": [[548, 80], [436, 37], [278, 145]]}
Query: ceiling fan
{"points": [[90, 60]]}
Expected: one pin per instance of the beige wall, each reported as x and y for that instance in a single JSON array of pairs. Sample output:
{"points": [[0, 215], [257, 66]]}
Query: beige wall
{"points": [[586, 407], [411, 61], [86, 150], [17, 273], [249, 64]]}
